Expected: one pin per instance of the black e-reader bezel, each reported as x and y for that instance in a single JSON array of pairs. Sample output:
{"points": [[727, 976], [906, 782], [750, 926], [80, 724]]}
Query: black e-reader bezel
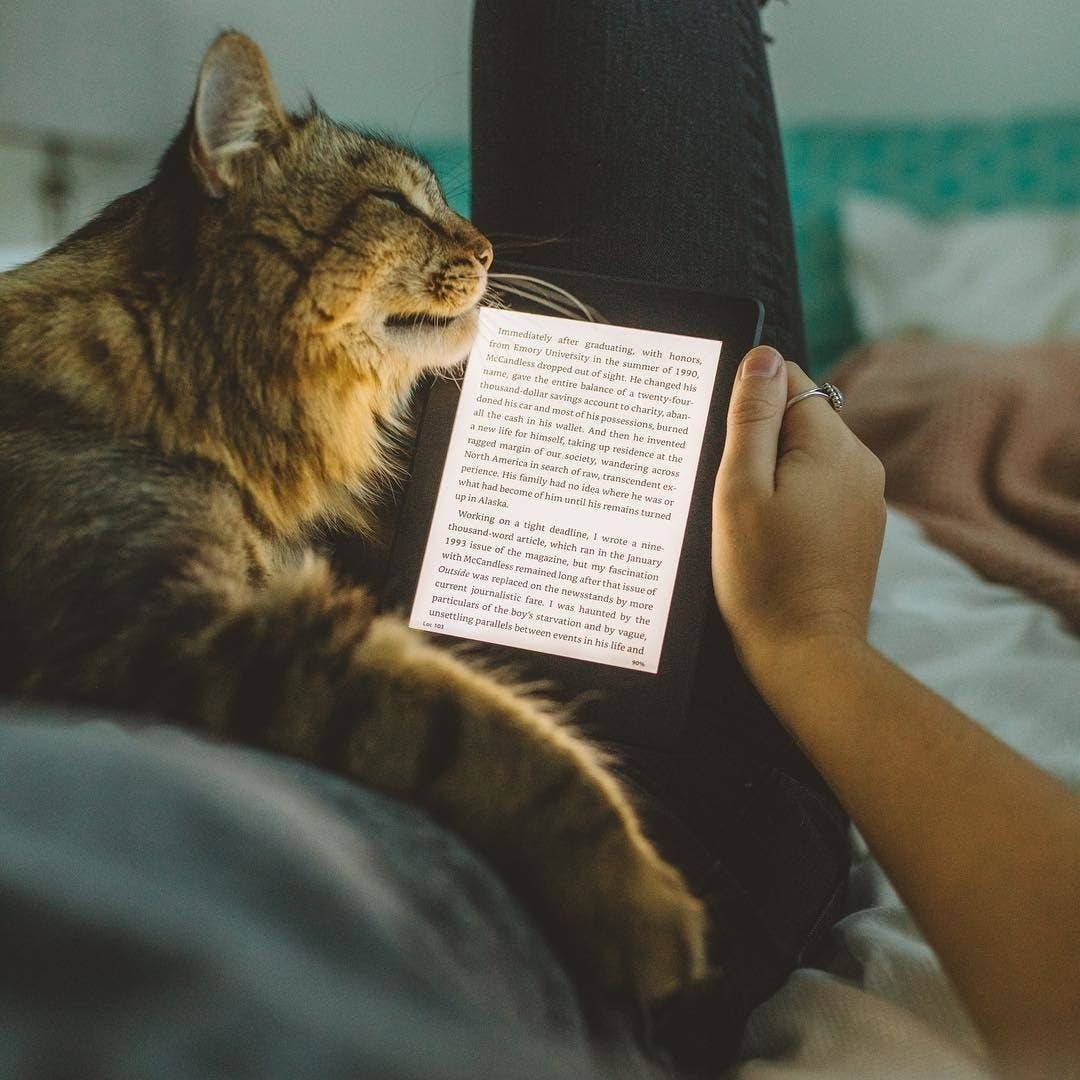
{"points": [[642, 707]]}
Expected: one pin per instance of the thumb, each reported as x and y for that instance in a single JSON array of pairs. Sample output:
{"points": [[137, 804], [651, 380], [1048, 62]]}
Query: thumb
{"points": [[755, 414]]}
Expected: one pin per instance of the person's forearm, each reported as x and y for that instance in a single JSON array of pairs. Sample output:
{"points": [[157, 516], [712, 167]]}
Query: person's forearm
{"points": [[983, 846]]}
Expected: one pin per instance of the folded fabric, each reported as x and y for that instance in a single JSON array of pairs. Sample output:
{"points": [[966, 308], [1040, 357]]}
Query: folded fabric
{"points": [[981, 444]]}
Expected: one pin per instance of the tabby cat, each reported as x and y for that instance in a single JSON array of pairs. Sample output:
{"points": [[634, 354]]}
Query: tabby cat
{"points": [[193, 384]]}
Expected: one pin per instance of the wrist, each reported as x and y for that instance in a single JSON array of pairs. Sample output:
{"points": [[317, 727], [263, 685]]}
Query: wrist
{"points": [[788, 666]]}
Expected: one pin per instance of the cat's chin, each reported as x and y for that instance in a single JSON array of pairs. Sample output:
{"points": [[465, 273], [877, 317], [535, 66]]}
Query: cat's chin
{"points": [[433, 340]]}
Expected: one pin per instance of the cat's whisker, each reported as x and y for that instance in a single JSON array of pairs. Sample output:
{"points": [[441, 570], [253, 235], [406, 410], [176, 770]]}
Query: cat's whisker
{"points": [[558, 309], [455, 375], [429, 90], [492, 298], [453, 188], [511, 242], [545, 294], [457, 181]]}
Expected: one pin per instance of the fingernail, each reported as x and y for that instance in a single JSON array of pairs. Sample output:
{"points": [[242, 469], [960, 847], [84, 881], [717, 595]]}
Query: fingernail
{"points": [[761, 363]]}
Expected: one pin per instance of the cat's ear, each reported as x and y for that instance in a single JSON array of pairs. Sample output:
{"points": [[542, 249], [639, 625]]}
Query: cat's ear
{"points": [[236, 108]]}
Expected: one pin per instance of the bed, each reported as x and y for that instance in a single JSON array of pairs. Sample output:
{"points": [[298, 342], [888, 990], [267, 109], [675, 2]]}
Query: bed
{"points": [[172, 909]]}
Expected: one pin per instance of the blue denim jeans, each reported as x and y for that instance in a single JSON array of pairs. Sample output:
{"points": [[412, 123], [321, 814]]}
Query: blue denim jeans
{"points": [[638, 138]]}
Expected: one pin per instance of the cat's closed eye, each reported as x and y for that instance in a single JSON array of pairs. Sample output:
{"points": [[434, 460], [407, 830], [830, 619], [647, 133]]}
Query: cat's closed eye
{"points": [[395, 198]]}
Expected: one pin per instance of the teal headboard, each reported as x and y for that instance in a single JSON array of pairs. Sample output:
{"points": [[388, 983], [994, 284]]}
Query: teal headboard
{"points": [[937, 169]]}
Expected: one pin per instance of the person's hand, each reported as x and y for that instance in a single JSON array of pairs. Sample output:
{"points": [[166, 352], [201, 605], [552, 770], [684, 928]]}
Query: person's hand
{"points": [[798, 516]]}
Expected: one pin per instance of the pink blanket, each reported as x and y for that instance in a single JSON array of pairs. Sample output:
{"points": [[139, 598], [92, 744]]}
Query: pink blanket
{"points": [[981, 443]]}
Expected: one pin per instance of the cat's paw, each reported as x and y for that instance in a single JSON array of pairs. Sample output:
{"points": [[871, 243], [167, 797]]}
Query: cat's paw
{"points": [[625, 918], [502, 770]]}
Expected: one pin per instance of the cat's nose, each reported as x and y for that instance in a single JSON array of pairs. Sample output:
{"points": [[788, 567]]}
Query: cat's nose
{"points": [[485, 256]]}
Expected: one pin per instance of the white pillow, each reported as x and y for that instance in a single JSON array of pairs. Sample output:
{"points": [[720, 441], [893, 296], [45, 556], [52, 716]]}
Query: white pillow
{"points": [[1005, 277]]}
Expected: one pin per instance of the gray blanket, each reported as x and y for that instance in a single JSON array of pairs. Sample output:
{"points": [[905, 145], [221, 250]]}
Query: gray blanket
{"points": [[170, 908]]}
